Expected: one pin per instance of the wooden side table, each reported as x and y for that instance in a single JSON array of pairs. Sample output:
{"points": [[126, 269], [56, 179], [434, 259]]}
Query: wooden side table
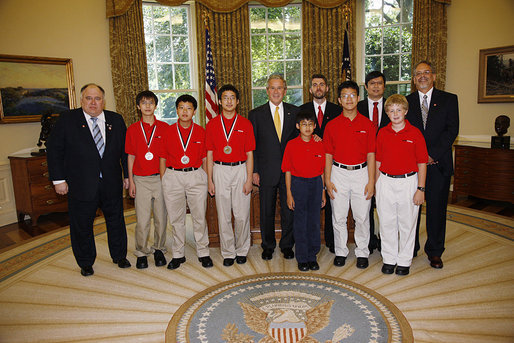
{"points": [[34, 192]]}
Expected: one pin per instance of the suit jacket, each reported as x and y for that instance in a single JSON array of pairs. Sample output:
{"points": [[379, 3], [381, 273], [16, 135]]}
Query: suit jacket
{"points": [[331, 111], [362, 107], [269, 150], [72, 155], [442, 126]]}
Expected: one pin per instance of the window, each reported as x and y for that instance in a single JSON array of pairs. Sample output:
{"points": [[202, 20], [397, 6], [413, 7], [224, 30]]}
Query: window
{"points": [[388, 42], [171, 65], [276, 48]]}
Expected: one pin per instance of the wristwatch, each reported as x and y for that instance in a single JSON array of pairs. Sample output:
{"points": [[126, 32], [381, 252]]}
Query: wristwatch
{"points": [[421, 189]]}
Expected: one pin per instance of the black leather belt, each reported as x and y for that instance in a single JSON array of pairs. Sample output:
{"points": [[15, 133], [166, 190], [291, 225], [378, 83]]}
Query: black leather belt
{"points": [[183, 169], [344, 166], [232, 164], [401, 176]]}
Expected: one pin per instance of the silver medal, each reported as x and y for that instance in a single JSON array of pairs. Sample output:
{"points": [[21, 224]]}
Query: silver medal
{"points": [[149, 156], [184, 159], [227, 149]]}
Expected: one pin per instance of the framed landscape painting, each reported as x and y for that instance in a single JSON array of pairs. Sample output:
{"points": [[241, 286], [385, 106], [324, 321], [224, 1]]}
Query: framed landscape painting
{"points": [[33, 86], [496, 75]]}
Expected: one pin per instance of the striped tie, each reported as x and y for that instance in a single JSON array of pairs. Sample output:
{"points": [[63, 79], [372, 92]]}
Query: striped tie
{"points": [[424, 111], [97, 136]]}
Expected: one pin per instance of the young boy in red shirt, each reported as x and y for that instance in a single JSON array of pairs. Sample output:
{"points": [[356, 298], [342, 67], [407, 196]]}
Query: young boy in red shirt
{"points": [[350, 173], [184, 181], [402, 160], [143, 141], [230, 144], [303, 165]]}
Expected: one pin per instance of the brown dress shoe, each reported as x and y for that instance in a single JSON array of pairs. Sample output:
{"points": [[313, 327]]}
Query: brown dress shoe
{"points": [[435, 262]]}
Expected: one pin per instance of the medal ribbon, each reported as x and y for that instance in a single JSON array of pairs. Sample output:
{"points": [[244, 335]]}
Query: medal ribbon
{"points": [[148, 143], [227, 136], [184, 146]]}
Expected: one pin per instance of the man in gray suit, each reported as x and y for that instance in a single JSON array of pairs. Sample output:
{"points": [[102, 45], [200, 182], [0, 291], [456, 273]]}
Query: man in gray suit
{"points": [[274, 124]]}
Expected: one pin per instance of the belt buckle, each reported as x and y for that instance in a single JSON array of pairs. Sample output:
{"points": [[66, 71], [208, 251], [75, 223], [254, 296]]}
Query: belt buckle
{"points": [[351, 167]]}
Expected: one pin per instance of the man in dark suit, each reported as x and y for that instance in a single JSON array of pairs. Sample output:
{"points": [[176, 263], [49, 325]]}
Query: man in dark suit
{"points": [[325, 111], [85, 158], [373, 108], [436, 114], [274, 124]]}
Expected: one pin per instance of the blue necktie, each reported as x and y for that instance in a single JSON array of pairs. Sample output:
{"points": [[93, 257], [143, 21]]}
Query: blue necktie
{"points": [[97, 136]]}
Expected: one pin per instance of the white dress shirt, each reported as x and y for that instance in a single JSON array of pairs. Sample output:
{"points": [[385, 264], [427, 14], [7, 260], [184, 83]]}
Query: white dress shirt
{"points": [[380, 106], [280, 113]]}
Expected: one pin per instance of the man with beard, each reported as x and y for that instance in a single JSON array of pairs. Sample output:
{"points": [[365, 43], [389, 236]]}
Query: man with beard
{"points": [[325, 111], [373, 108]]}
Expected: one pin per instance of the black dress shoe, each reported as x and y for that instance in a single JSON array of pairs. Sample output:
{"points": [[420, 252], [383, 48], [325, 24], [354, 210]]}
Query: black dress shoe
{"points": [[267, 254], [142, 262], [206, 261], [435, 262], [339, 261], [288, 253], [241, 259], [362, 262], [159, 258], [87, 271], [123, 263], [388, 268], [303, 266], [228, 262], [402, 270], [313, 265], [176, 262]]}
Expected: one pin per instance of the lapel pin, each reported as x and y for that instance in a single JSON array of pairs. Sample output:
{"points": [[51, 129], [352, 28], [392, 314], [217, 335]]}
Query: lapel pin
{"points": [[83, 125]]}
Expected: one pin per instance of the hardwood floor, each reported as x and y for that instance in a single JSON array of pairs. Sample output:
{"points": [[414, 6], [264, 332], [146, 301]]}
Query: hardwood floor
{"points": [[18, 232]]}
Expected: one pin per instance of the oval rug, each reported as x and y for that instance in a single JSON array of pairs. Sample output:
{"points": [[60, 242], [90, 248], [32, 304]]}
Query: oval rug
{"points": [[288, 308]]}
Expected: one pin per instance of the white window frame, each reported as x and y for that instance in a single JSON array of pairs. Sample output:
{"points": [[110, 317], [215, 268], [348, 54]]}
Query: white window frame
{"points": [[283, 33], [361, 48], [193, 56]]}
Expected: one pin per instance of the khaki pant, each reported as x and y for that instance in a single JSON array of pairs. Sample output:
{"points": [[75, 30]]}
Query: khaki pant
{"points": [[149, 197], [179, 187], [228, 182]]}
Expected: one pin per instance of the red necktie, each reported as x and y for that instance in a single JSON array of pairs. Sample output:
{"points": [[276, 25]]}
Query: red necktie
{"points": [[320, 116], [375, 114]]}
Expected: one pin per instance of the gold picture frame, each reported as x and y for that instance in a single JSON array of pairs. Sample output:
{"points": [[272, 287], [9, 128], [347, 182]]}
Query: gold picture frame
{"points": [[32, 86], [496, 75]]}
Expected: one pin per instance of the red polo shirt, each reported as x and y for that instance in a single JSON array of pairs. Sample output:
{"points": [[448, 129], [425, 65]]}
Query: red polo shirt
{"points": [[135, 144], [304, 159], [400, 152], [242, 139], [349, 141], [172, 146]]}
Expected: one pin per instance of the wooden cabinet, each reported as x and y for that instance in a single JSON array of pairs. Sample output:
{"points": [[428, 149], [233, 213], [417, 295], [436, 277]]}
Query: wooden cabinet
{"points": [[484, 173], [212, 221], [34, 193]]}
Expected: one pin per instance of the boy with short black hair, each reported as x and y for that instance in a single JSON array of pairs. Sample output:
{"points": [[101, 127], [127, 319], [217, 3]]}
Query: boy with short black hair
{"points": [[402, 159], [350, 173], [230, 144], [184, 181], [142, 144], [303, 165]]}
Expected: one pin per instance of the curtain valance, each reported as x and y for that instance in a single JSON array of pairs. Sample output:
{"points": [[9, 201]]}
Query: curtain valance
{"points": [[118, 7]]}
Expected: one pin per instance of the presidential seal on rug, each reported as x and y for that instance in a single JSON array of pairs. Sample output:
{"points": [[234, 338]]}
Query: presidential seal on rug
{"points": [[288, 308]]}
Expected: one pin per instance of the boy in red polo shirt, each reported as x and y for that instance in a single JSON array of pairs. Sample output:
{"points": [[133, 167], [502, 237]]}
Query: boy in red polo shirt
{"points": [[230, 144], [184, 181], [143, 141], [350, 173], [303, 165], [402, 160]]}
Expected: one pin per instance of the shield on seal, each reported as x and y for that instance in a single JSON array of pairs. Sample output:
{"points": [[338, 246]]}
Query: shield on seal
{"points": [[287, 332]]}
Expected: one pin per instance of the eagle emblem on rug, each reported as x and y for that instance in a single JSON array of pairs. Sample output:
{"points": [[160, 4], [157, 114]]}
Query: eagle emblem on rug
{"points": [[285, 323]]}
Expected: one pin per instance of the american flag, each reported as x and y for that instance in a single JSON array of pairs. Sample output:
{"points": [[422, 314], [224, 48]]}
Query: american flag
{"points": [[211, 97], [346, 68]]}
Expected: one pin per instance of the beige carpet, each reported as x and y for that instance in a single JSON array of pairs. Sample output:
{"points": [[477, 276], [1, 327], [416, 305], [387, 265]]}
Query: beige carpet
{"points": [[43, 297]]}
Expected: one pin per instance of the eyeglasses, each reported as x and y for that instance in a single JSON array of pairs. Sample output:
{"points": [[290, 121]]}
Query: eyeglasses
{"points": [[425, 72], [346, 96], [307, 124]]}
